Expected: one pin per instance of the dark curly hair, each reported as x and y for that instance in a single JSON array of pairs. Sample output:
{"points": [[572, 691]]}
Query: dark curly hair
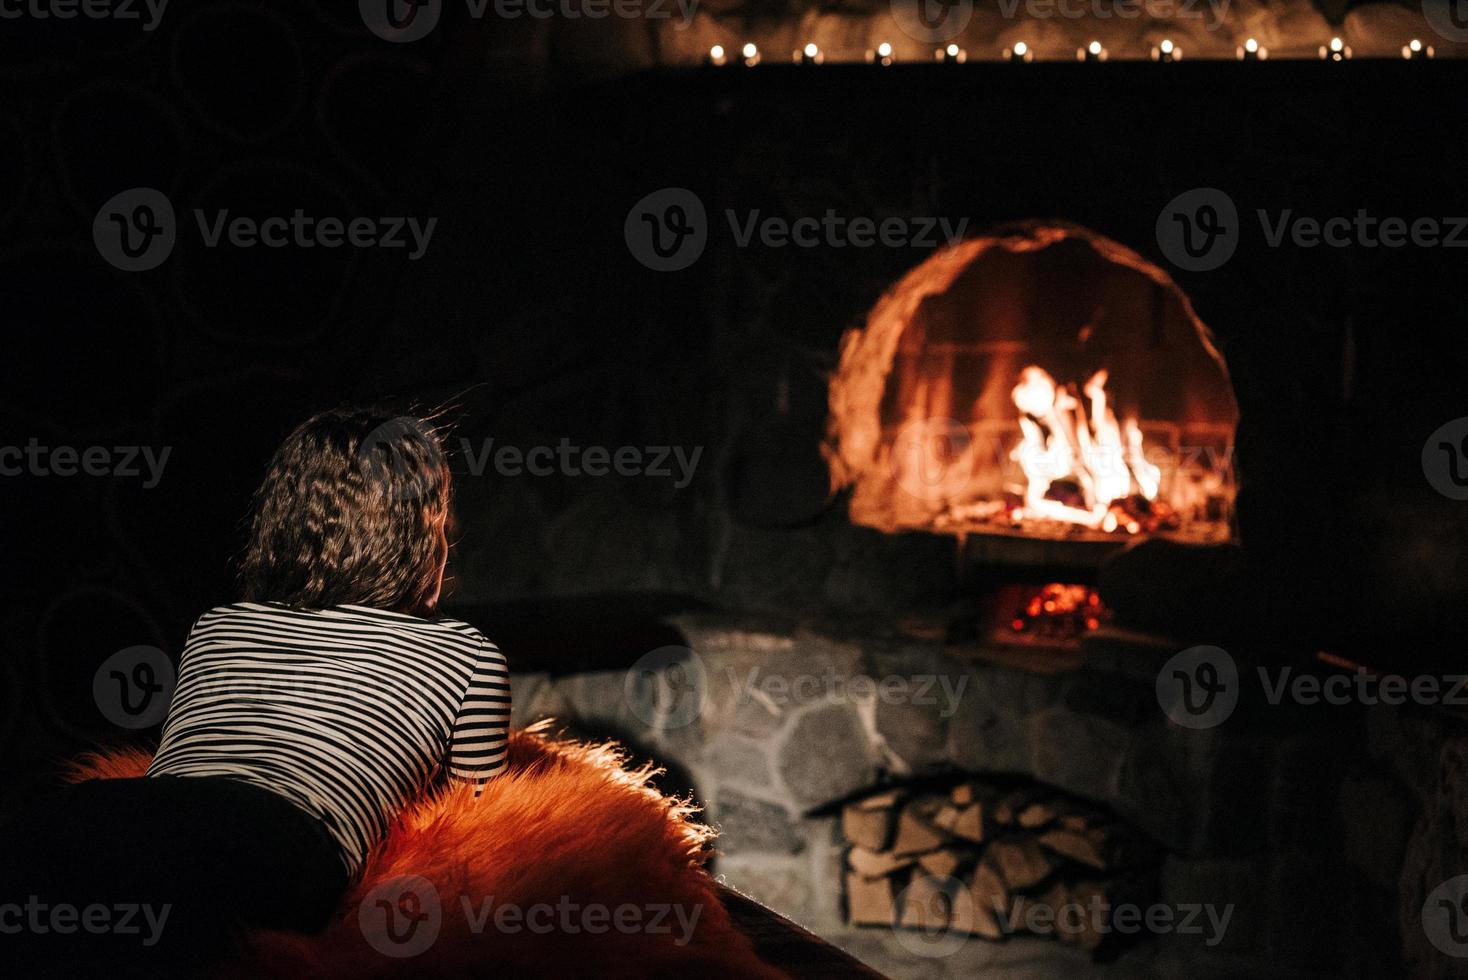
{"points": [[353, 510]]}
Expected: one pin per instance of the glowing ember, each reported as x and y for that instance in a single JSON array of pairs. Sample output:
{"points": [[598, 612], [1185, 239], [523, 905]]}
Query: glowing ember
{"points": [[1058, 612]]}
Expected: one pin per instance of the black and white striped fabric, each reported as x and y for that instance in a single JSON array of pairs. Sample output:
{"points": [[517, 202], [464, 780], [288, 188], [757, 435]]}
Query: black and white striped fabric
{"points": [[348, 712]]}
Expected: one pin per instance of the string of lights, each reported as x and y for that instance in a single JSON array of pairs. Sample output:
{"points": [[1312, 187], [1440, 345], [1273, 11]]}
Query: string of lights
{"points": [[1166, 50]]}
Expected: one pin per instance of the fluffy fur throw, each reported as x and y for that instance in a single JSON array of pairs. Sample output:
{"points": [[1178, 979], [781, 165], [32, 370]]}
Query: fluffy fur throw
{"points": [[567, 824]]}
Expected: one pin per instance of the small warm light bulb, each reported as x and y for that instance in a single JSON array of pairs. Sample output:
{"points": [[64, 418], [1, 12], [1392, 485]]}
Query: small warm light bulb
{"points": [[1095, 47], [1417, 51], [1020, 52], [1336, 50], [810, 54], [1251, 46], [1167, 51], [750, 54], [1251, 51], [882, 55], [717, 55], [1092, 52], [884, 50], [953, 55], [1020, 48]]}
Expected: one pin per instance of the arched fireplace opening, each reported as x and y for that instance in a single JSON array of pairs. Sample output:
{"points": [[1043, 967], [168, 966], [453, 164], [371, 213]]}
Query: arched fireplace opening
{"points": [[1040, 382]]}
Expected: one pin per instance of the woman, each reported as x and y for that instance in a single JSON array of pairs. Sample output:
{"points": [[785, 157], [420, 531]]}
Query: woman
{"points": [[306, 717]]}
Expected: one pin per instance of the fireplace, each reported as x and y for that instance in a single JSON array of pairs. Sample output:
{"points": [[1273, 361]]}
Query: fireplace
{"points": [[1041, 382]]}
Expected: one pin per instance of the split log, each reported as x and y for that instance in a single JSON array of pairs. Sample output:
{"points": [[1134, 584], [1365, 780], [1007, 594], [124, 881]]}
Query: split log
{"points": [[1105, 848], [945, 817], [1088, 896], [915, 834], [869, 901], [979, 913], [942, 862], [1045, 914], [969, 824], [1021, 861], [1084, 846], [927, 905], [985, 912], [875, 864], [1037, 815], [868, 822]]}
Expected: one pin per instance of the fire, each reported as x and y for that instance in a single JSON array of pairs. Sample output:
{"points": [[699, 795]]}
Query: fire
{"points": [[1076, 463], [945, 415]]}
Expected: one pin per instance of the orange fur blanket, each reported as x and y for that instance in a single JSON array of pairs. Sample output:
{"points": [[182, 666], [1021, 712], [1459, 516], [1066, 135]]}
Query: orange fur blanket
{"points": [[582, 848]]}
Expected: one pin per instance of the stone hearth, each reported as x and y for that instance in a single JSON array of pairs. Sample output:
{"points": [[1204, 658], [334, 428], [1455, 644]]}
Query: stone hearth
{"points": [[1277, 804]]}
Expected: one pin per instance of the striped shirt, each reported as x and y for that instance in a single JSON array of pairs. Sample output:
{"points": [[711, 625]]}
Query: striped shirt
{"points": [[348, 712]]}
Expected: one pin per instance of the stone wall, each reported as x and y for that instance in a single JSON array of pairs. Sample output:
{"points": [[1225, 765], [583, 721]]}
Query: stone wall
{"points": [[1298, 817]]}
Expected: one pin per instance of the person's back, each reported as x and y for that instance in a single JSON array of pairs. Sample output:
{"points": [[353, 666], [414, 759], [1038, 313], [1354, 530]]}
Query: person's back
{"points": [[348, 712], [307, 715]]}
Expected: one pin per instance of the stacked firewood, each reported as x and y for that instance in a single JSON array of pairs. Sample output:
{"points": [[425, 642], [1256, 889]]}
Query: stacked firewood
{"points": [[980, 857]]}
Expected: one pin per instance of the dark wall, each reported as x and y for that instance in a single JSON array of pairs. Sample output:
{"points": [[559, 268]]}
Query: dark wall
{"points": [[530, 314]]}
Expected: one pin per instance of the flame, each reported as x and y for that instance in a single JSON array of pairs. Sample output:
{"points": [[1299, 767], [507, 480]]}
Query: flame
{"points": [[1097, 457]]}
